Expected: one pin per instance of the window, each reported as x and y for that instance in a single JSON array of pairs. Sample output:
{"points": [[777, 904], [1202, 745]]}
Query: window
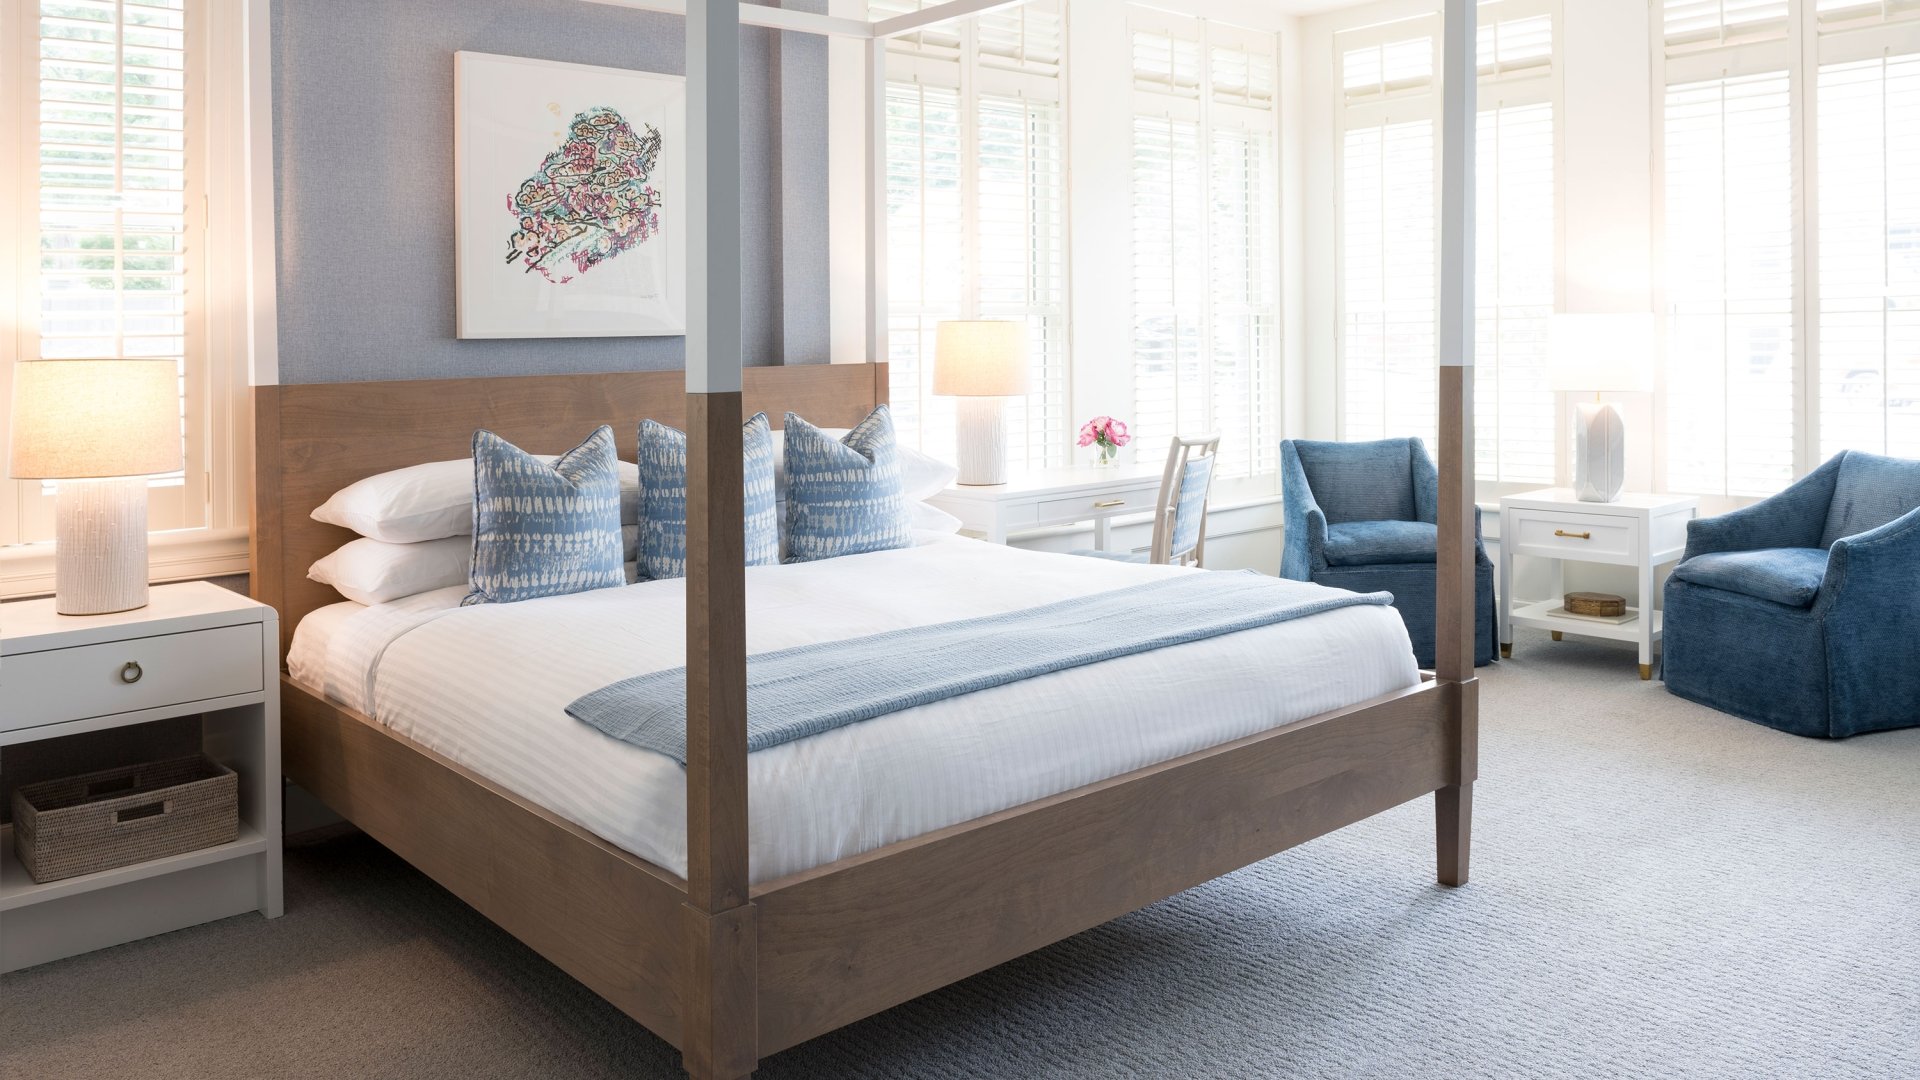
{"points": [[1869, 244], [1205, 294], [1791, 274], [976, 212], [106, 255], [1389, 186]]}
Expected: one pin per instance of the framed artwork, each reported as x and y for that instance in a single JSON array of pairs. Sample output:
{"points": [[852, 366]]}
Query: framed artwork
{"points": [[568, 195]]}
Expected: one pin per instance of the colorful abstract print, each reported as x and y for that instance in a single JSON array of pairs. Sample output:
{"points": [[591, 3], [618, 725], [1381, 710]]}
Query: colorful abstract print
{"points": [[663, 498], [544, 529], [590, 200]]}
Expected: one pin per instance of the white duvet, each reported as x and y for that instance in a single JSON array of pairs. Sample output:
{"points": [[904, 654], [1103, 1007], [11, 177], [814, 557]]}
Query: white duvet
{"points": [[487, 686]]}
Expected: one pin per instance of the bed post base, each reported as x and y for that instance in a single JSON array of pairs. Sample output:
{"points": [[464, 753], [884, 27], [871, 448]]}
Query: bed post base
{"points": [[720, 1036], [1453, 822]]}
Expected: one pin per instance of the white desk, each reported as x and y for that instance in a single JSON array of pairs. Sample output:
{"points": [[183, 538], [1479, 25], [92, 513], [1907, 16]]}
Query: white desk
{"points": [[1637, 530], [1048, 497]]}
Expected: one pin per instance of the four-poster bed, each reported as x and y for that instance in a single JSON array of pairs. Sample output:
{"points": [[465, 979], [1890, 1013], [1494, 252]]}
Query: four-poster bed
{"points": [[726, 969]]}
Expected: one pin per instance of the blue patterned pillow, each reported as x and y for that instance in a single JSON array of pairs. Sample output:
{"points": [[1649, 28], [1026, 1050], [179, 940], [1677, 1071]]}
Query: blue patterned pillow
{"points": [[540, 529], [844, 495], [663, 498]]}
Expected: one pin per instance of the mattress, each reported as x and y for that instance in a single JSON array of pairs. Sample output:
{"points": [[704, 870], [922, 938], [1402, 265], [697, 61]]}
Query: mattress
{"points": [[487, 686]]}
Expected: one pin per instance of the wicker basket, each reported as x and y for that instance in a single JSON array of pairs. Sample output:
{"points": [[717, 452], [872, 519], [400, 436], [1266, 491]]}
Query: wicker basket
{"points": [[1596, 605], [84, 824]]}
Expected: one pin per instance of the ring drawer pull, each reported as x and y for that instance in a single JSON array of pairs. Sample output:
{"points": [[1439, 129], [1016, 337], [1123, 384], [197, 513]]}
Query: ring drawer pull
{"points": [[1573, 535], [130, 672], [1109, 504]]}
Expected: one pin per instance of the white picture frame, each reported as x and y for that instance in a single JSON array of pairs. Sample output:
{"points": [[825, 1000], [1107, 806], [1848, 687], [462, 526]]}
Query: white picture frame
{"points": [[605, 253]]}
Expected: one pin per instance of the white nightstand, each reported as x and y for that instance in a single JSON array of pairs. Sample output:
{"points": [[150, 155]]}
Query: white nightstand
{"points": [[1641, 531], [200, 649], [1046, 497]]}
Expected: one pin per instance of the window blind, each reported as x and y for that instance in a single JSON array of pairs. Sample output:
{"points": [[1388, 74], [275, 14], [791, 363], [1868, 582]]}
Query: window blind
{"points": [[1691, 24], [976, 213], [1730, 280], [1388, 280], [1869, 256], [1514, 292], [106, 133], [926, 253], [1205, 242], [1169, 284]]}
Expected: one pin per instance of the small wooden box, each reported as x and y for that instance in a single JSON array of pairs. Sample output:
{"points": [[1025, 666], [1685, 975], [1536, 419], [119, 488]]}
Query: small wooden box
{"points": [[117, 817], [1596, 605]]}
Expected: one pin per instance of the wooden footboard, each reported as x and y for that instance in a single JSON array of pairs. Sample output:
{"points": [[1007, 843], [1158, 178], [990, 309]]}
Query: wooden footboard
{"points": [[852, 938], [849, 939]]}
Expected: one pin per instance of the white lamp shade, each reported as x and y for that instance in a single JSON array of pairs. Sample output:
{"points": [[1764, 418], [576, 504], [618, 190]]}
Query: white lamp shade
{"points": [[980, 358], [1595, 353], [89, 419]]}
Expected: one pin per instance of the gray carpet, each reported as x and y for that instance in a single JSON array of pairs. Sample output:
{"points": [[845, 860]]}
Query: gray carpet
{"points": [[1659, 891]]}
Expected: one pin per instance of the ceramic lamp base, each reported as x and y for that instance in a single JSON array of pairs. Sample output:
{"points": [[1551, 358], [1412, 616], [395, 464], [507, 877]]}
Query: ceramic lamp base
{"points": [[1599, 453], [100, 546], [982, 446]]}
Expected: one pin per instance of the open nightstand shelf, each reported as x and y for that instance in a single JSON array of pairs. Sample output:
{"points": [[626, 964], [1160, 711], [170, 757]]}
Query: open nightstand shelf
{"points": [[201, 651]]}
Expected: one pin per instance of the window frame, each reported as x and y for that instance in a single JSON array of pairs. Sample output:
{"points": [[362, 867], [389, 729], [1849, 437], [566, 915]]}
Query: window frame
{"points": [[1800, 49], [1205, 108], [1498, 87], [950, 56], [202, 520]]}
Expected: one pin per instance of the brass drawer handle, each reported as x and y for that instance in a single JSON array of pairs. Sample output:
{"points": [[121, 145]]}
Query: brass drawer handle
{"points": [[1573, 535], [1109, 504], [130, 673]]}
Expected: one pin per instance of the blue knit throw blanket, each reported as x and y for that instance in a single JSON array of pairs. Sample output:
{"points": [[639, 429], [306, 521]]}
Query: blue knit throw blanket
{"points": [[802, 691]]}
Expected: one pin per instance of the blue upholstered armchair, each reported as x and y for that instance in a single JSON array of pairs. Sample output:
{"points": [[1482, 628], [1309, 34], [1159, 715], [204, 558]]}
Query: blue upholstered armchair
{"points": [[1362, 516], [1802, 612]]}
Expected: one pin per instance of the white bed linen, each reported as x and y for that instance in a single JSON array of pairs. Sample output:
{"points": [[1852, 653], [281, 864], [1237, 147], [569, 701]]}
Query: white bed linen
{"points": [[487, 686]]}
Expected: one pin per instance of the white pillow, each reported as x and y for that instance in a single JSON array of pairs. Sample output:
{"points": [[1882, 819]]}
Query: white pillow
{"points": [[374, 572], [921, 476], [432, 501], [369, 571], [930, 518]]}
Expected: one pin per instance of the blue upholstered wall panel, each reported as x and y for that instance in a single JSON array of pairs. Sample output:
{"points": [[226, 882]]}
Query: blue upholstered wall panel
{"points": [[363, 164]]}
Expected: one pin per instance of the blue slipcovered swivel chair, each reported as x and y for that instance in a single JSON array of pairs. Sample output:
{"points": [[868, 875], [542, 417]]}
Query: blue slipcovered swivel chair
{"points": [[1362, 516], [1802, 612]]}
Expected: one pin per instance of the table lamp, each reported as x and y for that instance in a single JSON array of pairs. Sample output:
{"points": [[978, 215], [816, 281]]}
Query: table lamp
{"points": [[99, 428], [983, 363], [1596, 354]]}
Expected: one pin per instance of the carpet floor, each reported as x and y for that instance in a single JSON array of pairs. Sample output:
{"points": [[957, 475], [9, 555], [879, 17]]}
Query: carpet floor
{"points": [[1659, 891]]}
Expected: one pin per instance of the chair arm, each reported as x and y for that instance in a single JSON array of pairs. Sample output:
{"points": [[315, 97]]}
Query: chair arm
{"points": [[1875, 574], [1305, 542]]}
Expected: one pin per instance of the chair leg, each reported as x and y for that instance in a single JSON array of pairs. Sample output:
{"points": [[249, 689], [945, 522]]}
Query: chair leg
{"points": [[1453, 821]]}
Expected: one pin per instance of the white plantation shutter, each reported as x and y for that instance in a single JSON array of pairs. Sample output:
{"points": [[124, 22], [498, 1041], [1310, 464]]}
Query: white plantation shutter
{"points": [[1869, 256], [926, 246], [1205, 241], [1730, 250], [1514, 419], [1169, 284], [976, 212], [112, 263], [1696, 24], [1387, 280], [1020, 238]]}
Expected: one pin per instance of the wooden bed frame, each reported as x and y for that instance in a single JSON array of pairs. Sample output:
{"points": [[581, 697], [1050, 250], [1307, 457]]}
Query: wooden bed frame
{"points": [[729, 983], [729, 973]]}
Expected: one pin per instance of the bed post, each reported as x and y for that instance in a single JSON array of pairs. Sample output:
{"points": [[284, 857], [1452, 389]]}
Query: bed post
{"points": [[720, 997], [1453, 804]]}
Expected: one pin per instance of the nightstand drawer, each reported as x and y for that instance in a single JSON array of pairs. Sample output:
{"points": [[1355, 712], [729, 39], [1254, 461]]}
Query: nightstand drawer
{"points": [[1094, 504], [58, 685], [1588, 537]]}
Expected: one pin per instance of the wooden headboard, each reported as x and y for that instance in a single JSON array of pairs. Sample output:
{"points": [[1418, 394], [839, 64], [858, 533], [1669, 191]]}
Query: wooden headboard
{"points": [[311, 441]]}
